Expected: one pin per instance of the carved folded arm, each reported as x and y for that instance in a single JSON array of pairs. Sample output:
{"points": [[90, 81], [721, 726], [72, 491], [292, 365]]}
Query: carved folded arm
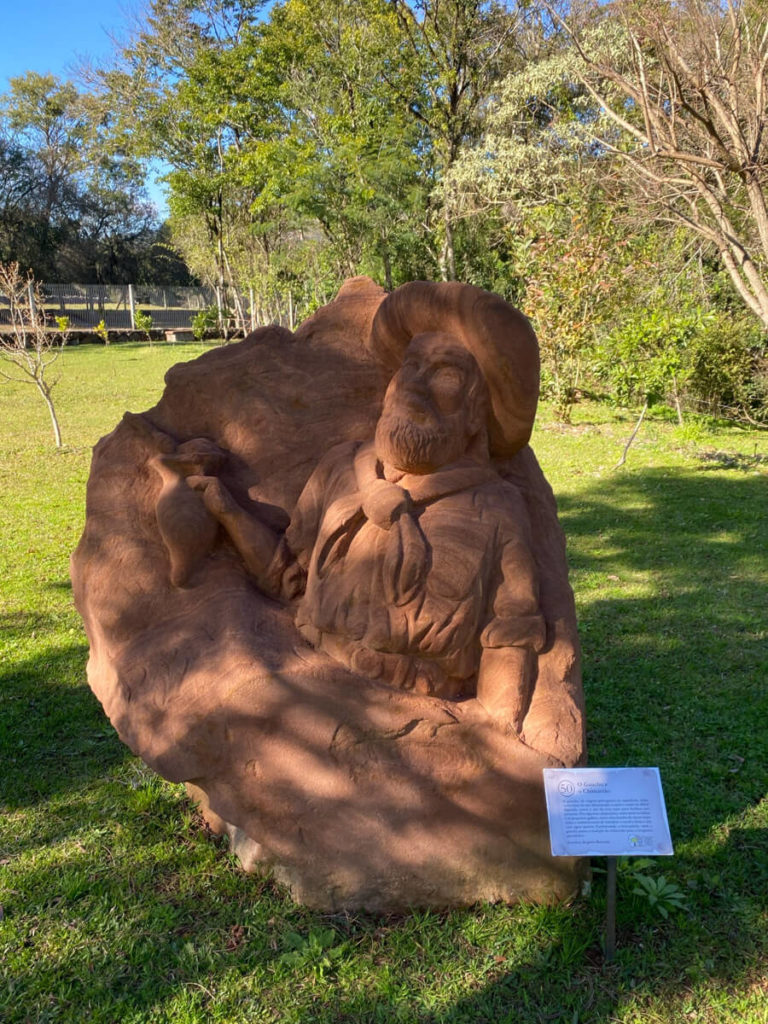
{"points": [[276, 561], [255, 542], [512, 639]]}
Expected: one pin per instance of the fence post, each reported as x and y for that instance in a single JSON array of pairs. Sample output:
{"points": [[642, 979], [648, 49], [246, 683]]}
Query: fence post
{"points": [[253, 311], [132, 305]]}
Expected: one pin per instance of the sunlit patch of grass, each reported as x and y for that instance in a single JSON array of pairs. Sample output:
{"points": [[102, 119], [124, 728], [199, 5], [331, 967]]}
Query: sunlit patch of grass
{"points": [[118, 906]]}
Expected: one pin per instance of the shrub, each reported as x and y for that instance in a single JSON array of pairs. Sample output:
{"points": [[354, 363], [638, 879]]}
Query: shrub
{"points": [[203, 321], [729, 368], [143, 322], [648, 357]]}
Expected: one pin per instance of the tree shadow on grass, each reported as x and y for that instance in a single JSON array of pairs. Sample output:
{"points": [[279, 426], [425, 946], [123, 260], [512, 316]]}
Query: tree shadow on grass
{"points": [[660, 966], [65, 584], [732, 460], [53, 733], [215, 942], [675, 668], [670, 572]]}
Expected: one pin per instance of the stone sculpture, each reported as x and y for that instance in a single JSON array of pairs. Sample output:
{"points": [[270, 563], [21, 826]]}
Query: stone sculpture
{"points": [[324, 585]]}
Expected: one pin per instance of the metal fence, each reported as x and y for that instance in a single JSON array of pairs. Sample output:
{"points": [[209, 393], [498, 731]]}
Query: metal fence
{"points": [[86, 306]]}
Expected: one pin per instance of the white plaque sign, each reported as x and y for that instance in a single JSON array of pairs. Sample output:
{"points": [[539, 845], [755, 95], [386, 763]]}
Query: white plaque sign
{"points": [[606, 812]]}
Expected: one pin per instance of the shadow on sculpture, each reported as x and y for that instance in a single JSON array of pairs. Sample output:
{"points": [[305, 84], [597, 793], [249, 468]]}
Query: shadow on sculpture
{"points": [[324, 585]]}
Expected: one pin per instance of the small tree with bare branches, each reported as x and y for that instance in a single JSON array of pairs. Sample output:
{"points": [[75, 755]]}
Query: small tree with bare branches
{"points": [[685, 88], [27, 347]]}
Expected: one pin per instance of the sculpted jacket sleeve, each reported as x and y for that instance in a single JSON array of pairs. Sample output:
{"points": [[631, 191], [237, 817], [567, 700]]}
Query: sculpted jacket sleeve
{"points": [[516, 631], [287, 572], [277, 562], [286, 575]]}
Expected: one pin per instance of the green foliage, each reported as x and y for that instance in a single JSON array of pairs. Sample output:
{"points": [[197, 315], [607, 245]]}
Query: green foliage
{"points": [[570, 262], [729, 367], [348, 157], [661, 895], [203, 321], [319, 951], [650, 355], [143, 322], [709, 360], [101, 330]]}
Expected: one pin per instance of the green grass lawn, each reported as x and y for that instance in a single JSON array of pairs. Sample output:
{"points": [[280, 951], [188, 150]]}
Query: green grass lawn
{"points": [[116, 905]]}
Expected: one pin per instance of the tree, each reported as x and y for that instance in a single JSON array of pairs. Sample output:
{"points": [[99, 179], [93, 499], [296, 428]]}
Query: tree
{"points": [[45, 133], [178, 93], [458, 49], [29, 348], [50, 121], [574, 266], [348, 157], [18, 184], [287, 149], [72, 205], [683, 89]]}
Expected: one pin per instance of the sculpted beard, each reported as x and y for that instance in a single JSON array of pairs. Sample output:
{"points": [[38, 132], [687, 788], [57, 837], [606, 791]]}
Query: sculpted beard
{"points": [[406, 444]]}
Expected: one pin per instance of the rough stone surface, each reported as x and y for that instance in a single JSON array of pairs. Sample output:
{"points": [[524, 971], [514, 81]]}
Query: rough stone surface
{"points": [[358, 656]]}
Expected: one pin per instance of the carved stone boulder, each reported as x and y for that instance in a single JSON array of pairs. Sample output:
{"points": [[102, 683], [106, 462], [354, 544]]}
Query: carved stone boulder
{"points": [[354, 640]]}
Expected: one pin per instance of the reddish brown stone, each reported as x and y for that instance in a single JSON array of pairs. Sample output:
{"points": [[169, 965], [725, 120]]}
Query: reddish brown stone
{"points": [[361, 686]]}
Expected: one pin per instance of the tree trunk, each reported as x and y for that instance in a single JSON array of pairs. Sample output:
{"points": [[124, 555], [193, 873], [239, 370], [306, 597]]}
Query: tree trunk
{"points": [[239, 311], [676, 397], [45, 391], [387, 269], [447, 260], [756, 303], [632, 436]]}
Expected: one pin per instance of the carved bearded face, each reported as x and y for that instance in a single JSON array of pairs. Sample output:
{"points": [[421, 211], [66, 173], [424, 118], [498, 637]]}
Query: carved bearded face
{"points": [[434, 408]]}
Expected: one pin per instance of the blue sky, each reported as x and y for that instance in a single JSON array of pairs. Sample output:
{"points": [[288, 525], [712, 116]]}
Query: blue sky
{"points": [[51, 35], [55, 35]]}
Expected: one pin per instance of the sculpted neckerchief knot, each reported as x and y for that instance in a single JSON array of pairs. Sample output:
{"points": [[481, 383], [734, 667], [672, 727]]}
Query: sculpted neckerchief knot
{"points": [[392, 508]]}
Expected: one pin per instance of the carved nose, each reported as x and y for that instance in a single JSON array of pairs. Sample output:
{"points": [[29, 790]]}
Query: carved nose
{"points": [[418, 404]]}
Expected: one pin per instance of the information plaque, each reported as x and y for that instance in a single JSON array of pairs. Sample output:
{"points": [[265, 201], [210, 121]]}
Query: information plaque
{"points": [[606, 812]]}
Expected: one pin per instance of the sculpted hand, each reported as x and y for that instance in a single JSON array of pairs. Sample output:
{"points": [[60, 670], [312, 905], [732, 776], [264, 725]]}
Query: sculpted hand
{"points": [[505, 683], [254, 540], [215, 495]]}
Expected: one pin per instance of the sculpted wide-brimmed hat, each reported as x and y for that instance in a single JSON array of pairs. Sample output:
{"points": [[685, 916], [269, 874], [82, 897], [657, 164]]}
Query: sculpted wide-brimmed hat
{"points": [[499, 337]]}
